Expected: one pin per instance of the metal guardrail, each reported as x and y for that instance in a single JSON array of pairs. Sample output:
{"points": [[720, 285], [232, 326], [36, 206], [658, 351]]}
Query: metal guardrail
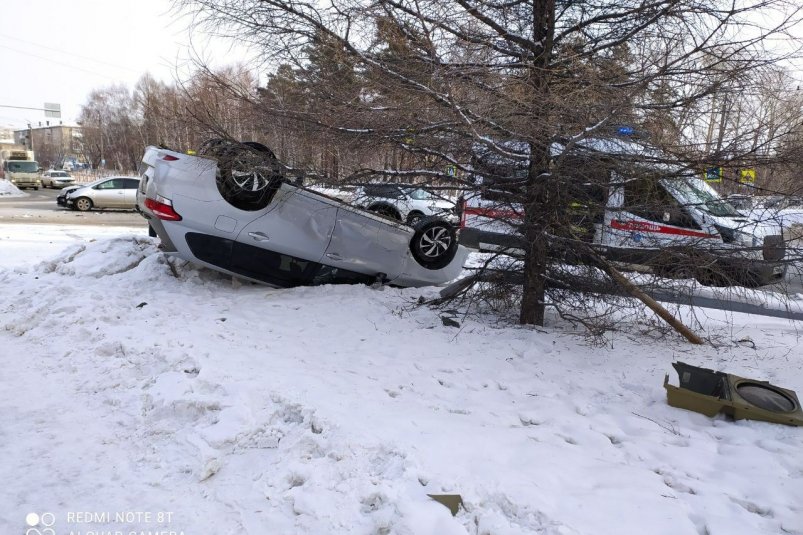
{"points": [[731, 304]]}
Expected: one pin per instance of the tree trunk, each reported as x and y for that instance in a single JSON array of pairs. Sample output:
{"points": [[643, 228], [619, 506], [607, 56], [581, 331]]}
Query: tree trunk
{"points": [[537, 197]]}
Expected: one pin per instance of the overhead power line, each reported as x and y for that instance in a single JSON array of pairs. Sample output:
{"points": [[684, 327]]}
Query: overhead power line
{"points": [[58, 62], [67, 53]]}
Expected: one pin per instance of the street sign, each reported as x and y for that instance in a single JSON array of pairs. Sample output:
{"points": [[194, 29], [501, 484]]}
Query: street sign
{"points": [[747, 176], [713, 174], [52, 110]]}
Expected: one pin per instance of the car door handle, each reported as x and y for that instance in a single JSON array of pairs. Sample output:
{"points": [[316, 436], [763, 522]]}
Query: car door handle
{"points": [[259, 236], [334, 256]]}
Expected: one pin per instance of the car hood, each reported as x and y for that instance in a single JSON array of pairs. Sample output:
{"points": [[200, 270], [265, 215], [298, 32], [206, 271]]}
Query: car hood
{"points": [[447, 205], [70, 189], [784, 217], [747, 225]]}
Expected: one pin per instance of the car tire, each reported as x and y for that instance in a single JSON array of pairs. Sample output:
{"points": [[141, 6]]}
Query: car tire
{"points": [[414, 217], [434, 243], [82, 204], [248, 175]]}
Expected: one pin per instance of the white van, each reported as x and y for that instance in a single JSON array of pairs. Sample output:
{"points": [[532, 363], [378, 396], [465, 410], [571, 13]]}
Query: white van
{"points": [[658, 218]]}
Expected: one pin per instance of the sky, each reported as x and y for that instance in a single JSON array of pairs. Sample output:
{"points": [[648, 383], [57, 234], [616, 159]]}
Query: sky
{"points": [[57, 51]]}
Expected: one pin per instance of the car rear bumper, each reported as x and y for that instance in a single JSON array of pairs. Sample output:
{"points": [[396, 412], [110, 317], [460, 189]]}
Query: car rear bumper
{"points": [[158, 227]]}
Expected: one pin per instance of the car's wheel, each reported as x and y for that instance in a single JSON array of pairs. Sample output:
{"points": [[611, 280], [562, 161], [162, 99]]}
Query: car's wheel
{"points": [[248, 173], [434, 243], [414, 217], [36, 188], [82, 204]]}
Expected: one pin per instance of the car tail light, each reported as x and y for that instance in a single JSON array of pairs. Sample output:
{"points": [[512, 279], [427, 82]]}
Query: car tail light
{"points": [[169, 158], [162, 208]]}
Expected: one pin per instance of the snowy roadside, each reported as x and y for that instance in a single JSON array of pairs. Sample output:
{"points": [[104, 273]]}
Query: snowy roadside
{"points": [[7, 189], [337, 409]]}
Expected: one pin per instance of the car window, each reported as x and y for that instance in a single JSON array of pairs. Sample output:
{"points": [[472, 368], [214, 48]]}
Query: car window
{"points": [[21, 166], [60, 174], [130, 183], [420, 195], [110, 184], [703, 196], [385, 191], [647, 198]]}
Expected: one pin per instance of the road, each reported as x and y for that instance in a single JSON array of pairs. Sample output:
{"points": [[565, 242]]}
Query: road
{"points": [[40, 207]]}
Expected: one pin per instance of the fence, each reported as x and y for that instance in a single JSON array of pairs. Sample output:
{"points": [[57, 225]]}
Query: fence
{"points": [[86, 175]]}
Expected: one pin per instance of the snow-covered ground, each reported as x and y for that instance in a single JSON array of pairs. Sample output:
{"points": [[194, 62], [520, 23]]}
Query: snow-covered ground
{"points": [[132, 389], [7, 189]]}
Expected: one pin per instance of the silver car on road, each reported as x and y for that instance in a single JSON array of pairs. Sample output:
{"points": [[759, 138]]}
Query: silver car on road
{"points": [[109, 192], [231, 208], [56, 179]]}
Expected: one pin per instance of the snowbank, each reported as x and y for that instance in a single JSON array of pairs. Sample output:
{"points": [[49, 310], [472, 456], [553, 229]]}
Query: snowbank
{"points": [[130, 384], [7, 189]]}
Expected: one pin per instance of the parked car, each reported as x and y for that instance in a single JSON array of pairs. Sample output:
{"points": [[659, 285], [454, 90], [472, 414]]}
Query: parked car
{"points": [[740, 201], [109, 192], [783, 210], [56, 179], [658, 217], [231, 208], [405, 202]]}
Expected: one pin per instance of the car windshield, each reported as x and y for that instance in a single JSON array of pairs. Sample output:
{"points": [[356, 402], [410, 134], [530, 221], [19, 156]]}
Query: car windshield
{"points": [[697, 193], [23, 166], [420, 194], [95, 183], [59, 174]]}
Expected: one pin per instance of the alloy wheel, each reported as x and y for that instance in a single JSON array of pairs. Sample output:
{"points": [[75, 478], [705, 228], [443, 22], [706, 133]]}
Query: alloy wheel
{"points": [[435, 241]]}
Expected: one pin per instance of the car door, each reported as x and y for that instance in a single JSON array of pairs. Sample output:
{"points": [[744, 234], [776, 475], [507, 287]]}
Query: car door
{"points": [[295, 230], [108, 194], [368, 243], [649, 217], [130, 186]]}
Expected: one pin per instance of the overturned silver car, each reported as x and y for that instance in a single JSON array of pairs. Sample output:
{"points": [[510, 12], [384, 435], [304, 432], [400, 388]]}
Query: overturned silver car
{"points": [[232, 208]]}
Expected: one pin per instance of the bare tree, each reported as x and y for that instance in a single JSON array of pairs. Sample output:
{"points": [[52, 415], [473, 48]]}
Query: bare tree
{"points": [[439, 81]]}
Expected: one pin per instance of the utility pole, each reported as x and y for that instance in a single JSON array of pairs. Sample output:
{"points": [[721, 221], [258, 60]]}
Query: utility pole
{"points": [[722, 122], [30, 137]]}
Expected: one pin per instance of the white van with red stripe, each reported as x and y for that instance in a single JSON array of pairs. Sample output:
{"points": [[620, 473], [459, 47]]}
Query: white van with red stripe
{"points": [[666, 222]]}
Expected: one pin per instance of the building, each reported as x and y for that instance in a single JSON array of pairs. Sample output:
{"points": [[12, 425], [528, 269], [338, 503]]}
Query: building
{"points": [[55, 146], [8, 143]]}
